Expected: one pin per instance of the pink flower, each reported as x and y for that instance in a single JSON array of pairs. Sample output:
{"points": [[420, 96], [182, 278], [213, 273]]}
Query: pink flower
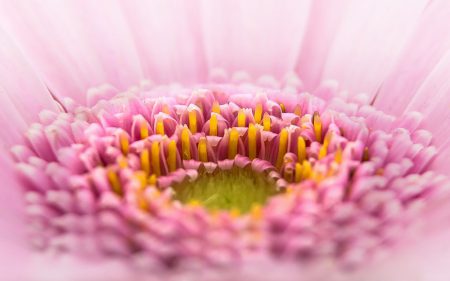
{"points": [[302, 140]]}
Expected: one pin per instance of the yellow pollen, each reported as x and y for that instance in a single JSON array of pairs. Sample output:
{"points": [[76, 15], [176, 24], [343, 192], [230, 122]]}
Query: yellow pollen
{"points": [[266, 122], [306, 173], [202, 150], [317, 123], [251, 141], [165, 109], [282, 147], [122, 161], [141, 177], [233, 143], [152, 179], [241, 118], [301, 149], [283, 107], [213, 125], [155, 158], [144, 130], [298, 110], [258, 113], [193, 121], [124, 143], [145, 161], [160, 127], [172, 156], [338, 155], [215, 107], [114, 181], [256, 212], [185, 144], [298, 172], [323, 151]]}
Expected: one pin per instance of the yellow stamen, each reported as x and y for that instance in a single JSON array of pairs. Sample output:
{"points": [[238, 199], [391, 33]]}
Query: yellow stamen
{"points": [[323, 151], [114, 181], [160, 127], [185, 144], [152, 179], [144, 129], [165, 109], [172, 156], [155, 158], [124, 143], [256, 212], [145, 161], [258, 113], [298, 110], [283, 107], [122, 161], [252, 141], [338, 155], [307, 170], [233, 143], [193, 121], [202, 150], [213, 125], [317, 123], [266, 122], [298, 172], [215, 107], [282, 147], [241, 118], [141, 177], [301, 149]]}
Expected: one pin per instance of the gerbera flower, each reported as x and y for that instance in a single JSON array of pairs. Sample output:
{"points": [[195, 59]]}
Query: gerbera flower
{"points": [[221, 141]]}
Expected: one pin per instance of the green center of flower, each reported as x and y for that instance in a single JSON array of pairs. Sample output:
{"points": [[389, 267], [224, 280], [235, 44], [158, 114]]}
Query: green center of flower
{"points": [[237, 189]]}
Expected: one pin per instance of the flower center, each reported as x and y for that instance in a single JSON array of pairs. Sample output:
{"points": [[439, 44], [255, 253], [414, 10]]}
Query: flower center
{"points": [[235, 189]]}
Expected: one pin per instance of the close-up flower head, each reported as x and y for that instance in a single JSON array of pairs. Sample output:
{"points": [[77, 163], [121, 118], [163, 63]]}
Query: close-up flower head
{"points": [[208, 140]]}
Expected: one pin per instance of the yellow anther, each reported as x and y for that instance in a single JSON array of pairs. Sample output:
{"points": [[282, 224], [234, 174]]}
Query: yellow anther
{"points": [[241, 118], [155, 159], [193, 121], [202, 150], [235, 212], [282, 147], [301, 149], [233, 143], [283, 107], [185, 144], [165, 109], [144, 129], [145, 161], [298, 110], [298, 172], [172, 156], [252, 141], [122, 162], [152, 179], [114, 181], [256, 212], [216, 107], [160, 127], [266, 122], [317, 123], [124, 143], [307, 170], [141, 177], [338, 155], [258, 113], [323, 151], [213, 125], [366, 155]]}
